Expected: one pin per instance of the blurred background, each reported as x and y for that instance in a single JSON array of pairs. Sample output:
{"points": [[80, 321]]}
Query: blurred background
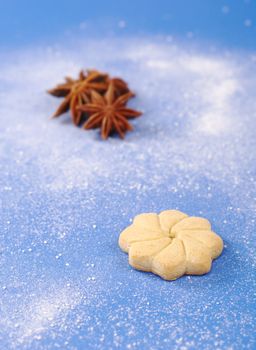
{"points": [[227, 22]]}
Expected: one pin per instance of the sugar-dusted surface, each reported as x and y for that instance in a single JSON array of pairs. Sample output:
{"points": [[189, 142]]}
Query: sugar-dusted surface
{"points": [[66, 195]]}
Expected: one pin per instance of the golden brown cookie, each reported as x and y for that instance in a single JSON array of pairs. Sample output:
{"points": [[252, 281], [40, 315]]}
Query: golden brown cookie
{"points": [[171, 244]]}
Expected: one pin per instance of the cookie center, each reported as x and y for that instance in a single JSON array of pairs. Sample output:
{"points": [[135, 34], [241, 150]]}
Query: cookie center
{"points": [[171, 235]]}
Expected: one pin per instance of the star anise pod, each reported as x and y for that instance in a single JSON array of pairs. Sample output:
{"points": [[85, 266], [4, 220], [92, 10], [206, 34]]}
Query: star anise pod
{"points": [[120, 86], [109, 113], [62, 90], [77, 91]]}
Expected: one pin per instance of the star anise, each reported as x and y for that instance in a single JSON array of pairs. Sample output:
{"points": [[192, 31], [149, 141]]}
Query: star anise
{"points": [[77, 91], [120, 86], [109, 113], [62, 90]]}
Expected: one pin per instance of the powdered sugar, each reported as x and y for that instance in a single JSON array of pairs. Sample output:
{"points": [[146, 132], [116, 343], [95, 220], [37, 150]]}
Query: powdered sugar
{"points": [[67, 193]]}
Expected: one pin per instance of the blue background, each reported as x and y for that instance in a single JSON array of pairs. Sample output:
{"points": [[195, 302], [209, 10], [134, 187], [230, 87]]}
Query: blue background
{"points": [[115, 306], [25, 22]]}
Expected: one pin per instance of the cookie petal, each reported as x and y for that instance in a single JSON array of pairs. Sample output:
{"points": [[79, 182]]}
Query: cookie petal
{"points": [[191, 223], [149, 221], [170, 263], [198, 256], [209, 238], [134, 234], [169, 218], [141, 254]]}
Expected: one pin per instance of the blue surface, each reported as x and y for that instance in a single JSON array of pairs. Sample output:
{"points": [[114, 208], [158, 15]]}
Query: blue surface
{"points": [[66, 195]]}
